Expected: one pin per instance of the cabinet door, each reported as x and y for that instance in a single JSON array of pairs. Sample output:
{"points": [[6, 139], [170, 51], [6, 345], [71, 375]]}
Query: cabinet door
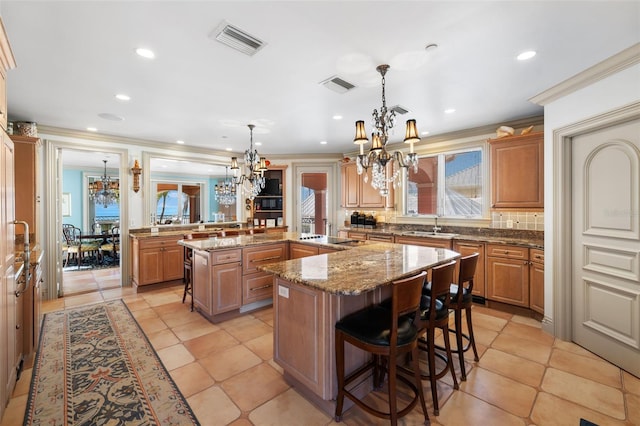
{"points": [[150, 266], [536, 281], [465, 248], [326, 250], [427, 242], [202, 283], [350, 186], [172, 263], [508, 281], [517, 171], [296, 251], [227, 292]]}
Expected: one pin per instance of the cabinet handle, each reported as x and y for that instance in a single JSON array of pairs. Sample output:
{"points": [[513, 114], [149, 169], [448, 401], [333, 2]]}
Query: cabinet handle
{"points": [[526, 262], [265, 259], [17, 326], [262, 287], [537, 256]]}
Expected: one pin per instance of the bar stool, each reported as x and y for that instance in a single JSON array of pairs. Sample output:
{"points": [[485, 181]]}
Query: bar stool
{"points": [[435, 314], [188, 266], [384, 333], [462, 300]]}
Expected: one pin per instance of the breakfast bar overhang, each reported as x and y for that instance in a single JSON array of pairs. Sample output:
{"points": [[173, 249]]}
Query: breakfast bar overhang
{"points": [[311, 294]]}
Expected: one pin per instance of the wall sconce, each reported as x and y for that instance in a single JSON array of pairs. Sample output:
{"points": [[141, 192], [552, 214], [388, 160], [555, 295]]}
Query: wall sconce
{"points": [[136, 170]]}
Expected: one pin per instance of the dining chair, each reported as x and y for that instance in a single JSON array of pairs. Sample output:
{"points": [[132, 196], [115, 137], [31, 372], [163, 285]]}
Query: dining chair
{"points": [[112, 244], [385, 333], [76, 248]]}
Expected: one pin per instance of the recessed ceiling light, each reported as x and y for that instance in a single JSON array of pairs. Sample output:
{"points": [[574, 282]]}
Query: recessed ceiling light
{"points": [[180, 142], [92, 129], [323, 142], [425, 133], [449, 110], [337, 117], [229, 149], [526, 55], [123, 97], [110, 117], [145, 53], [258, 143]]}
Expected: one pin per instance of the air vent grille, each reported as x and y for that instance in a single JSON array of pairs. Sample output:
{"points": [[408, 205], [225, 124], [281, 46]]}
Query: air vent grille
{"points": [[399, 109], [237, 39], [337, 84]]}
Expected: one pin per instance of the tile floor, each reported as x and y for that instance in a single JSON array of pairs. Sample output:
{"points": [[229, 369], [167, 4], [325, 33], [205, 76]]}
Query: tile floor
{"points": [[227, 374], [90, 280]]}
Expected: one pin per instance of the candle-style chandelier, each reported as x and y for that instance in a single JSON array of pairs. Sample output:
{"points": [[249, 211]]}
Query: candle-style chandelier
{"points": [[104, 191], [377, 158], [225, 192], [252, 182]]}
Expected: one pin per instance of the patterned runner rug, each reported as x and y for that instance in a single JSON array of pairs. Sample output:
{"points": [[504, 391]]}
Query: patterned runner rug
{"points": [[95, 366]]}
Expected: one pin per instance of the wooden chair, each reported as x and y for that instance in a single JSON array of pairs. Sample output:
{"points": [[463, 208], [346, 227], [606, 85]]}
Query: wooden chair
{"points": [[76, 248], [188, 266], [384, 333], [462, 300], [435, 314], [112, 245]]}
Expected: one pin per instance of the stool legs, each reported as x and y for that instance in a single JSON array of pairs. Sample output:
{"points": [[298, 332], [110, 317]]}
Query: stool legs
{"points": [[188, 284], [461, 349]]}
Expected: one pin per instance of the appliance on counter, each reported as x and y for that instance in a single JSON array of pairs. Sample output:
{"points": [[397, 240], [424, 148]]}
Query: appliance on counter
{"points": [[331, 240], [360, 220]]}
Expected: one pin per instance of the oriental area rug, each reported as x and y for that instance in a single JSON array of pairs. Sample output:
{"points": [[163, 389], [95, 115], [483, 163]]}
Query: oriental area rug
{"points": [[95, 366]]}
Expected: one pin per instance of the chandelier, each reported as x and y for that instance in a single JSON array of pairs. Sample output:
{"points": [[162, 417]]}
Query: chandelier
{"points": [[378, 157], [225, 192], [252, 182], [104, 191]]}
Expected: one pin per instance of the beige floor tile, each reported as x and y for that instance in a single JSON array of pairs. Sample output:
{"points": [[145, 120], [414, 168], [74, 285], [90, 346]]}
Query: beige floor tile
{"points": [[230, 362], [288, 408], [162, 339], [522, 347], [248, 329], [150, 325], [262, 346], [254, 386], [484, 336], [492, 312], [465, 409], [489, 322], [549, 410], [526, 321], [601, 398], [514, 367], [14, 412], [573, 348], [213, 407], [241, 422], [52, 305], [181, 316], [175, 356], [530, 333], [191, 379], [136, 305], [83, 299], [211, 343], [22, 385], [595, 369], [196, 328], [631, 383], [144, 314], [633, 408], [505, 393]]}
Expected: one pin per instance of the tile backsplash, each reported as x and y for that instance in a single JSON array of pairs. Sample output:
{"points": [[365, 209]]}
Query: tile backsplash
{"points": [[532, 221]]}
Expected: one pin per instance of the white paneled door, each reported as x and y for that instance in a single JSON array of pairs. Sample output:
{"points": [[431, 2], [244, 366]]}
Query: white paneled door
{"points": [[606, 243]]}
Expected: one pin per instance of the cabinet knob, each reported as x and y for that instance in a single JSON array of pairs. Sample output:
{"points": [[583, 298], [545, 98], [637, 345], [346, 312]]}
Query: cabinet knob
{"points": [[17, 326]]}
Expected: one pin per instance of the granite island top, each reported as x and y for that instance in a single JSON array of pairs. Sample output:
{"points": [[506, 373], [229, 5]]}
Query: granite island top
{"points": [[360, 269], [219, 243]]}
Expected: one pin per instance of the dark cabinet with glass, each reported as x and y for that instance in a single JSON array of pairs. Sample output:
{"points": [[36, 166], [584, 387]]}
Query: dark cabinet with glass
{"points": [[269, 205]]}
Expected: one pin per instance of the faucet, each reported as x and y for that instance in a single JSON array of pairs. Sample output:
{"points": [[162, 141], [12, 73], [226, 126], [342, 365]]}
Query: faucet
{"points": [[436, 228], [26, 257]]}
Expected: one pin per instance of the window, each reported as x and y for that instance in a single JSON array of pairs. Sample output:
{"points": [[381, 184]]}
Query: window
{"points": [[177, 203], [447, 184]]}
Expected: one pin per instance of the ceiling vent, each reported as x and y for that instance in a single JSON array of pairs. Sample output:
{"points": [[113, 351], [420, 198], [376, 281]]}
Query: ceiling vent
{"points": [[237, 39], [337, 84], [399, 109]]}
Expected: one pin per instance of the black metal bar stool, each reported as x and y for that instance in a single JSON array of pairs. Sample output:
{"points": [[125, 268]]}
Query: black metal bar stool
{"points": [[384, 333]]}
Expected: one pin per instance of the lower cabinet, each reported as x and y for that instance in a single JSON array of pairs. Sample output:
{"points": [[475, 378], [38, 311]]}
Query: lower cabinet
{"points": [[32, 303], [156, 260], [508, 274], [258, 285], [298, 250], [445, 243], [536, 280], [384, 238], [465, 248], [217, 280]]}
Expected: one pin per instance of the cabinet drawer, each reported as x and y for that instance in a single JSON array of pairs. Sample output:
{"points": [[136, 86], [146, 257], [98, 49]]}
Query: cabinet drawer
{"points": [[257, 287], [158, 242], [361, 236], [511, 252], [380, 237], [261, 255], [536, 255], [226, 256], [423, 241]]}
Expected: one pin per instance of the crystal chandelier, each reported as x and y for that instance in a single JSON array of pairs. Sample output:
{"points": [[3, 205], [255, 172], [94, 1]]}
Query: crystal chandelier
{"points": [[378, 157], [253, 182], [104, 191], [225, 192]]}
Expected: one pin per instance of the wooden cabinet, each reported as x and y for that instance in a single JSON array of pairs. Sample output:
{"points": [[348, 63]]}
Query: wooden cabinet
{"points": [[32, 301], [359, 194], [257, 285], [355, 235], [465, 248], [536, 280], [299, 250], [27, 154], [156, 259], [217, 278], [517, 171], [445, 243], [270, 203], [384, 238], [508, 274]]}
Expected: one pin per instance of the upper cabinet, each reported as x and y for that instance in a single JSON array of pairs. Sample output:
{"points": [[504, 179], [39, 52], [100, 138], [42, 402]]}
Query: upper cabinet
{"points": [[356, 193], [27, 153], [270, 203], [517, 171]]}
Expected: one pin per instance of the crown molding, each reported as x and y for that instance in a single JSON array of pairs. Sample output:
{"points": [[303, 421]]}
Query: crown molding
{"points": [[600, 71], [7, 59]]}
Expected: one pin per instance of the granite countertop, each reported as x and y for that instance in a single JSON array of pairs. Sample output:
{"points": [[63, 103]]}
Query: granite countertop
{"points": [[361, 269], [217, 243], [146, 233]]}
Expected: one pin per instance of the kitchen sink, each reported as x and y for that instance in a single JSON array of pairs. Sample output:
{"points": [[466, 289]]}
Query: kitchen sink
{"points": [[429, 234]]}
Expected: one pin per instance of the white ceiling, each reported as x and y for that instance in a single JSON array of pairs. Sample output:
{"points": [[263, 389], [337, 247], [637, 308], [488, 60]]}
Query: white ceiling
{"points": [[74, 56]]}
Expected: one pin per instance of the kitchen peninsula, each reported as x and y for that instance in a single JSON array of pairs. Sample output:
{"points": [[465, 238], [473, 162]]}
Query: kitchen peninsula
{"points": [[309, 294]]}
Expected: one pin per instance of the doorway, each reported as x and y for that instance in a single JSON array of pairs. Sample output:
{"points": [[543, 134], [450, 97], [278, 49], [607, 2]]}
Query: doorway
{"points": [[313, 193]]}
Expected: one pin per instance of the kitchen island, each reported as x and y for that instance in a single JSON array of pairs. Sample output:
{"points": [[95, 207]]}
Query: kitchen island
{"points": [[311, 294]]}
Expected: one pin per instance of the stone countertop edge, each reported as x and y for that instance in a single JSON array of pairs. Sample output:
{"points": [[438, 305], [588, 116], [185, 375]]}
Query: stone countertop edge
{"points": [[174, 232]]}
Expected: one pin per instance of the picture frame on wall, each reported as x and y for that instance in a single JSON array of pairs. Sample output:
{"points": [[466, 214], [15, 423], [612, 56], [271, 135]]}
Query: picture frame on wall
{"points": [[66, 204]]}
